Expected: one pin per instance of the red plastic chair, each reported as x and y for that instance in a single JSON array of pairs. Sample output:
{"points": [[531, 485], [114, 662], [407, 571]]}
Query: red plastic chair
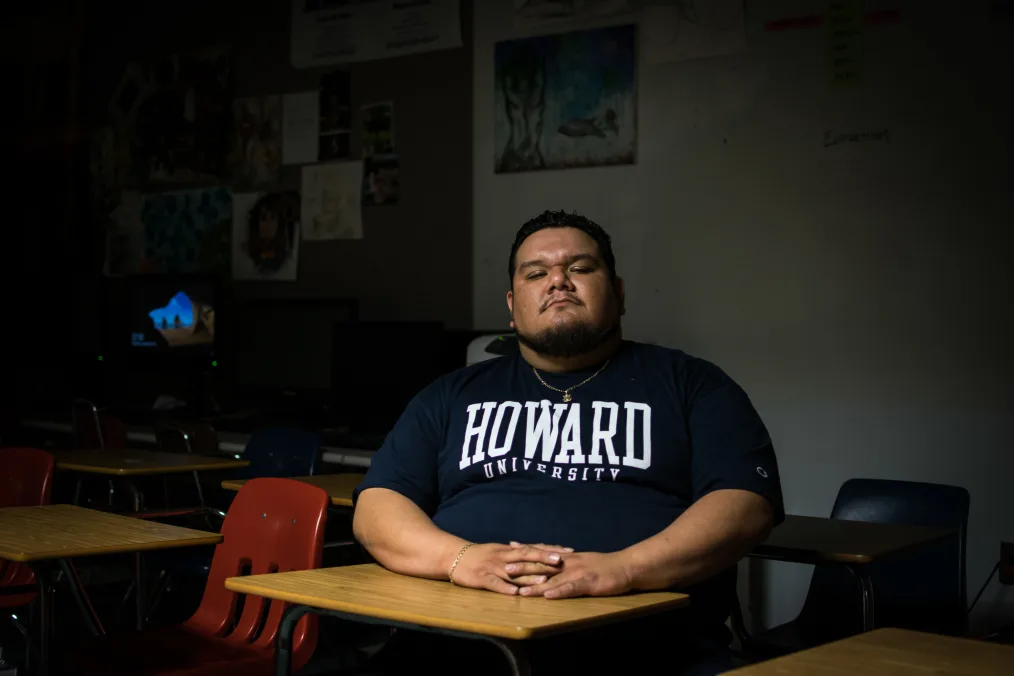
{"points": [[26, 478], [273, 525]]}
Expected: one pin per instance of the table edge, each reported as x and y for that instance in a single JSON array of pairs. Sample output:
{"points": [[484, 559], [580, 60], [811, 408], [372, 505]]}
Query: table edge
{"points": [[210, 539], [142, 471], [238, 584]]}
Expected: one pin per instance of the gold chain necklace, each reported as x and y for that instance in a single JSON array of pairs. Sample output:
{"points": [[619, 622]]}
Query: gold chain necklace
{"points": [[566, 392]]}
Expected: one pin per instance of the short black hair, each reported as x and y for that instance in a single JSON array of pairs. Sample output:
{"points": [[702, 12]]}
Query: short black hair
{"points": [[561, 219]]}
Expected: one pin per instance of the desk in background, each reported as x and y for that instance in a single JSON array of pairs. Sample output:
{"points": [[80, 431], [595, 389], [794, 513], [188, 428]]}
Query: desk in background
{"points": [[854, 544], [230, 443], [48, 536], [892, 652], [370, 594], [339, 487]]}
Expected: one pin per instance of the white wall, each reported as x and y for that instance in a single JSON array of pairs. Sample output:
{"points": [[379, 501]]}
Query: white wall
{"points": [[860, 293]]}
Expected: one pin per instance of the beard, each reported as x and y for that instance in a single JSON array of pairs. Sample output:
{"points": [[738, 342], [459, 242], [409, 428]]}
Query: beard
{"points": [[571, 340]]}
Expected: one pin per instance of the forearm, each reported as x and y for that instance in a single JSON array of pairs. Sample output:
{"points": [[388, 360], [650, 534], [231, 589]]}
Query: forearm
{"points": [[401, 536], [713, 534]]}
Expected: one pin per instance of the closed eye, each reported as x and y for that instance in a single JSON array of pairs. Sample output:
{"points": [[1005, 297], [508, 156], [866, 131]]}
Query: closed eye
{"points": [[535, 275]]}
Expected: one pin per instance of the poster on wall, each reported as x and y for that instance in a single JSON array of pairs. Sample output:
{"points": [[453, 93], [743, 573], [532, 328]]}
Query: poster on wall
{"points": [[381, 168], [532, 14], [257, 143], [187, 232], [331, 202], [381, 180], [692, 29], [184, 118], [346, 31], [265, 235], [566, 101], [335, 116]]}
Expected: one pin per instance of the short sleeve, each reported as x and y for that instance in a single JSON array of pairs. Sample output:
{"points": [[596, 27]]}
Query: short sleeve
{"points": [[730, 446], [407, 462]]}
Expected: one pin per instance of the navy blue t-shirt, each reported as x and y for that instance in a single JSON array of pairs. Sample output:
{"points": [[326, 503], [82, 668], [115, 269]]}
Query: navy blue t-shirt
{"points": [[493, 455]]}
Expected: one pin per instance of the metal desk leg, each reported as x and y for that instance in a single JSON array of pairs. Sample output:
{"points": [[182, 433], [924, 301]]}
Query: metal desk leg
{"points": [[142, 610], [47, 588], [516, 655], [863, 577], [81, 597], [283, 644]]}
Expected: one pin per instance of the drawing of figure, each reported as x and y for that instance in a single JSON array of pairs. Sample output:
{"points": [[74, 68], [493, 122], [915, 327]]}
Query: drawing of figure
{"points": [[523, 82], [271, 231]]}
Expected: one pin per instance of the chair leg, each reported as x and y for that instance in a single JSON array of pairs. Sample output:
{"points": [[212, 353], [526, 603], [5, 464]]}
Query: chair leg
{"points": [[161, 585], [200, 500]]}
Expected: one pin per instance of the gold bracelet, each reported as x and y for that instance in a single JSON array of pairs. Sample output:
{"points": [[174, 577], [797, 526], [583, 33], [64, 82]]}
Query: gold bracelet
{"points": [[450, 573]]}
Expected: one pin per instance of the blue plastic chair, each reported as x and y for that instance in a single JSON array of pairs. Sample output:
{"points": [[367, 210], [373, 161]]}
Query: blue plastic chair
{"points": [[921, 589], [282, 452]]}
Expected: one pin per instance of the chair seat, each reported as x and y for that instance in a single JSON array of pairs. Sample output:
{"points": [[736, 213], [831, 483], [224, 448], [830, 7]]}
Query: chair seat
{"points": [[167, 651]]}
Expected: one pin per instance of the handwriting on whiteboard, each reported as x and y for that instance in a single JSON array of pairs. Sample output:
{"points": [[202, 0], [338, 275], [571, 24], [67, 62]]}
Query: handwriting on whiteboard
{"points": [[833, 138]]}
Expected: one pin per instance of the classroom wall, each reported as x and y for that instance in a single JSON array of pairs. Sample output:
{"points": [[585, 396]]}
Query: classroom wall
{"points": [[390, 271], [859, 292]]}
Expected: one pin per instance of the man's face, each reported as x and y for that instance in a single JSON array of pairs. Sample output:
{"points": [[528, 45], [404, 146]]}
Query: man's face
{"points": [[563, 288]]}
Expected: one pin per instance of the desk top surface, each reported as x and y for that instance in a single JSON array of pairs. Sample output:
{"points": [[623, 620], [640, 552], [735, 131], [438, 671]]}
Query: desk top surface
{"points": [[372, 591], [810, 539], [338, 486], [47, 532], [131, 462], [892, 652]]}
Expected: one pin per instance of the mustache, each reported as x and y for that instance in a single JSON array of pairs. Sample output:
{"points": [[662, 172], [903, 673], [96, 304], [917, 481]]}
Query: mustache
{"points": [[565, 296]]}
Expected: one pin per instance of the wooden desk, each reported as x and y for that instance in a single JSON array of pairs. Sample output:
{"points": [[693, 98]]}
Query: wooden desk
{"points": [[369, 593], [810, 539], [47, 532], [818, 540], [338, 486], [892, 652], [48, 535], [138, 463]]}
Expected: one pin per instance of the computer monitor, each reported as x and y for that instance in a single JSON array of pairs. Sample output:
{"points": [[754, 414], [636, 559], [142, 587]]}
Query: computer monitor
{"points": [[285, 344], [378, 367], [170, 319]]}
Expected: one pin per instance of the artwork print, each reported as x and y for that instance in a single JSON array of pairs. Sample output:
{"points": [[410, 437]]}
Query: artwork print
{"points": [[257, 143], [265, 238], [566, 101], [187, 231]]}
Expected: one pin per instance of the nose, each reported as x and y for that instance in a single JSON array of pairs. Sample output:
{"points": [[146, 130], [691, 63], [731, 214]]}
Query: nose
{"points": [[559, 280]]}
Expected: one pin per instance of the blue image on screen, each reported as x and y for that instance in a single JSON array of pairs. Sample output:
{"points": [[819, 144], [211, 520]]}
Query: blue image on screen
{"points": [[177, 314]]}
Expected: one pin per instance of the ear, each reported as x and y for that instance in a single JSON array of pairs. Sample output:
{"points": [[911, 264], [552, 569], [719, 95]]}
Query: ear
{"points": [[621, 295], [510, 306]]}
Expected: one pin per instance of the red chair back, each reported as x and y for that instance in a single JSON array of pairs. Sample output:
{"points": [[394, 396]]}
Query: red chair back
{"points": [[96, 429], [273, 526], [26, 478]]}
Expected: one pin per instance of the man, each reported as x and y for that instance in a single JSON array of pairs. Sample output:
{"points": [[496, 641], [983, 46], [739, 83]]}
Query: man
{"points": [[586, 465]]}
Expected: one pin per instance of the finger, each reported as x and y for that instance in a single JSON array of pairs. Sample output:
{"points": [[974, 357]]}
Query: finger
{"points": [[493, 583], [549, 548], [566, 590], [532, 554], [524, 568], [570, 585], [528, 580]]}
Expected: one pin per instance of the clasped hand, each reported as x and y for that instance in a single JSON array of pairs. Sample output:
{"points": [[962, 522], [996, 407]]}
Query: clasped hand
{"points": [[542, 570]]}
